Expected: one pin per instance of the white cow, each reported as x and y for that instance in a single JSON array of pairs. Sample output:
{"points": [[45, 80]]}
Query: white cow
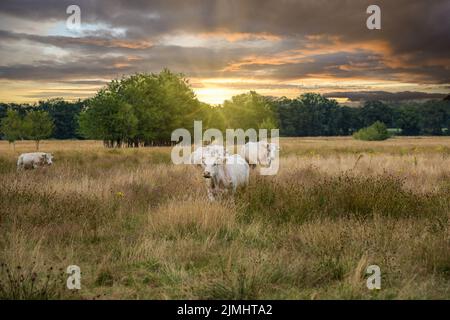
{"points": [[225, 173], [201, 153], [259, 153], [34, 160]]}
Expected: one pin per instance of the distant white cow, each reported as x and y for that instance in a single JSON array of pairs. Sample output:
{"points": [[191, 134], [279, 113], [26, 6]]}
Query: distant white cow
{"points": [[201, 153], [225, 173], [34, 160], [259, 153]]}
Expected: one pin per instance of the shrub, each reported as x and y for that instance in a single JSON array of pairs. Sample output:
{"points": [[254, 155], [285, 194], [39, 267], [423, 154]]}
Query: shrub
{"points": [[376, 132]]}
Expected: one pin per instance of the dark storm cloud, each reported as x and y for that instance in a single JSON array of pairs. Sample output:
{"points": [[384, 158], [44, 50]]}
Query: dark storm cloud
{"points": [[195, 62], [416, 35], [51, 70]]}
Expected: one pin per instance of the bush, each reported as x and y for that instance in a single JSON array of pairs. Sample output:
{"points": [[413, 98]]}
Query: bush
{"points": [[376, 132]]}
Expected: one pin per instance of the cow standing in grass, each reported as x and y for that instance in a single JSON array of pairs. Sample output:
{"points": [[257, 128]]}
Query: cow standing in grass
{"points": [[34, 160], [201, 153], [225, 174], [259, 153]]}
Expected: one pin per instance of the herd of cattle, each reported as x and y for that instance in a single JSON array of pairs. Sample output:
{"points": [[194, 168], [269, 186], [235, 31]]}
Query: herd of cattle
{"points": [[223, 171]]}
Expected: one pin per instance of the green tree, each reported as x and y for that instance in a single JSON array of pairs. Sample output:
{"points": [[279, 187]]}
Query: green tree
{"points": [[408, 119], [142, 109], [311, 115], [376, 132], [249, 110], [373, 111], [12, 127], [38, 125], [435, 116], [64, 115]]}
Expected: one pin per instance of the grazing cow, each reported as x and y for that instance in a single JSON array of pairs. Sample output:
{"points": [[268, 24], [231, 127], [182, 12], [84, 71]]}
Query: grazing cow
{"points": [[262, 153], [34, 160], [201, 153], [225, 173]]}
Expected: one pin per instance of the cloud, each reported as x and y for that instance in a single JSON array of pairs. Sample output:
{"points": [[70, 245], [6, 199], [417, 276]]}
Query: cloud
{"points": [[385, 96], [281, 41]]}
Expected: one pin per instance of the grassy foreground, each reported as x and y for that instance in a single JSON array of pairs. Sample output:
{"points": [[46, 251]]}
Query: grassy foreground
{"points": [[142, 228]]}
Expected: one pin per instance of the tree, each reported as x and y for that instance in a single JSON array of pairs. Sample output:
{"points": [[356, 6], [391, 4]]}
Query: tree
{"points": [[64, 115], [249, 111], [373, 111], [38, 125], [311, 115], [376, 132], [142, 109], [12, 127], [408, 119], [435, 116]]}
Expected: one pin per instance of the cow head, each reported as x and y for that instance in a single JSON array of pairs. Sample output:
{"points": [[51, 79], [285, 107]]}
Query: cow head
{"points": [[270, 153], [48, 159], [211, 166], [273, 149]]}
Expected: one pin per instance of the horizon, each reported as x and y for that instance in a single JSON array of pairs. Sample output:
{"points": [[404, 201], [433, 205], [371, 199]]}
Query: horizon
{"points": [[225, 48]]}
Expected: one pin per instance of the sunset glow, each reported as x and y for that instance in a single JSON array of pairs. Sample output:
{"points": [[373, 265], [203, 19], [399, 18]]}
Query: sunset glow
{"points": [[224, 48]]}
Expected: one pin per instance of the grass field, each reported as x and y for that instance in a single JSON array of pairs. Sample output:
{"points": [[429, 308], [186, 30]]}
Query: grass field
{"points": [[142, 228]]}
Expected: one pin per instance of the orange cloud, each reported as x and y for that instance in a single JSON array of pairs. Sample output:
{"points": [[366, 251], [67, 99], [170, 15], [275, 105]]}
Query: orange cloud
{"points": [[240, 36]]}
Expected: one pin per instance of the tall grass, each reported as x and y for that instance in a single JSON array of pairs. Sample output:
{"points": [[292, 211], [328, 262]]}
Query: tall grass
{"points": [[140, 227]]}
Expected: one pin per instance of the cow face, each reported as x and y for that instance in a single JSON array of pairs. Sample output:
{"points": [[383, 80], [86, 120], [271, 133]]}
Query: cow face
{"points": [[48, 159], [211, 166]]}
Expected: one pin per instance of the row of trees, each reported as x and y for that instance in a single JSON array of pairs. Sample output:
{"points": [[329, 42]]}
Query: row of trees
{"points": [[63, 113], [144, 109], [314, 115], [35, 125]]}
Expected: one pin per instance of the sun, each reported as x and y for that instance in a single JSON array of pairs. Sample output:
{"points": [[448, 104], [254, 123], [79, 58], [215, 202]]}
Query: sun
{"points": [[215, 95]]}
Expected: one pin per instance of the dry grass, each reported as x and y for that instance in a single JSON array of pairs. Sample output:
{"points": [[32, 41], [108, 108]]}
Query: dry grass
{"points": [[140, 227]]}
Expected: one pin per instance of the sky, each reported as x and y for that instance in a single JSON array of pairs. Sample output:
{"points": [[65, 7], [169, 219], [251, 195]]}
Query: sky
{"points": [[225, 47]]}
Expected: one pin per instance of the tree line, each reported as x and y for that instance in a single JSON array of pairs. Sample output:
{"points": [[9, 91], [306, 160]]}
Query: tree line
{"points": [[35, 125], [144, 109]]}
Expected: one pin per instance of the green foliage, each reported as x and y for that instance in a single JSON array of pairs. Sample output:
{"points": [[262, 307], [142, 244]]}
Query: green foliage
{"points": [[376, 132], [312, 115], [142, 109], [64, 115], [409, 120], [435, 116], [374, 111], [12, 126], [249, 110], [38, 125]]}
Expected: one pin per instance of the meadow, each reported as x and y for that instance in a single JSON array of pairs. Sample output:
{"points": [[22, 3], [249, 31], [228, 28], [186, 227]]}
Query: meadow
{"points": [[140, 227]]}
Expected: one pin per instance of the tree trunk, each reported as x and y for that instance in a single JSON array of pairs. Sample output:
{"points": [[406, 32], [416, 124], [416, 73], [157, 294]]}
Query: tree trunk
{"points": [[37, 145]]}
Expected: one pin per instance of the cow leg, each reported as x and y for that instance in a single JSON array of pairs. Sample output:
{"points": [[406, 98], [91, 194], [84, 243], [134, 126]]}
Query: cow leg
{"points": [[211, 195], [210, 189]]}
